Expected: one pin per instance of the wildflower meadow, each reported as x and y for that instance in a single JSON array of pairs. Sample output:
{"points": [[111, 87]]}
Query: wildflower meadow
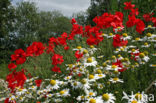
{"points": [[111, 62]]}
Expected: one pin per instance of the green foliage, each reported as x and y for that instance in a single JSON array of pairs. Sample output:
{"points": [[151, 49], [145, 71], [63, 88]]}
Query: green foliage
{"points": [[6, 27]]}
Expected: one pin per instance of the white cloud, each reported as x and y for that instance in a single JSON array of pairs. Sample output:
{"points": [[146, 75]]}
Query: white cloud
{"points": [[67, 7]]}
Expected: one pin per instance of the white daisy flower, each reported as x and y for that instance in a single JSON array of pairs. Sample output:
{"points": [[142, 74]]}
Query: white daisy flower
{"points": [[12, 99], [137, 39], [91, 93], [63, 93], [146, 45], [99, 76], [94, 100], [32, 79], [79, 48], [57, 100], [85, 84], [150, 27], [90, 62], [68, 78], [115, 80], [106, 98], [54, 84], [110, 35], [125, 36], [100, 86], [81, 98], [34, 88], [75, 84], [21, 91], [49, 95]]}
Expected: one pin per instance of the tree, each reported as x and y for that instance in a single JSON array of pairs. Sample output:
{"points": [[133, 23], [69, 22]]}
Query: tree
{"points": [[26, 25], [6, 27], [81, 17], [97, 7]]}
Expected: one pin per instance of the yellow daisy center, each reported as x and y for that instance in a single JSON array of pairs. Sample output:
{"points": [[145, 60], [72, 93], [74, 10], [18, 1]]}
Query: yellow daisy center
{"points": [[146, 44], [92, 101], [83, 81], [75, 84], [79, 47], [62, 92], [149, 26], [70, 65], [105, 97], [116, 72], [122, 49], [99, 71], [113, 57], [125, 34], [89, 60], [53, 82], [141, 55], [148, 34], [115, 79], [21, 98], [146, 52], [100, 75], [91, 76], [114, 66], [82, 97], [20, 90], [133, 50], [68, 77], [110, 34], [85, 51], [91, 46], [138, 96], [134, 101], [91, 93], [119, 55], [137, 39], [104, 64], [117, 49]]}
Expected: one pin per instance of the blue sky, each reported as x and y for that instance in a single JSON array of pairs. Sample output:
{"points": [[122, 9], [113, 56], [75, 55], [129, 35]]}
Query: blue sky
{"points": [[67, 7]]}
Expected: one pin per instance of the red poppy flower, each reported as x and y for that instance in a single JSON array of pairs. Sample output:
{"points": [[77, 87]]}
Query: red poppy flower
{"points": [[128, 5], [19, 56], [57, 59], [154, 21], [64, 35], [117, 41], [38, 82], [66, 47], [131, 21], [78, 55], [147, 17], [56, 69], [140, 26], [16, 79], [12, 66], [134, 11], [73, 21], [50, 48]]}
